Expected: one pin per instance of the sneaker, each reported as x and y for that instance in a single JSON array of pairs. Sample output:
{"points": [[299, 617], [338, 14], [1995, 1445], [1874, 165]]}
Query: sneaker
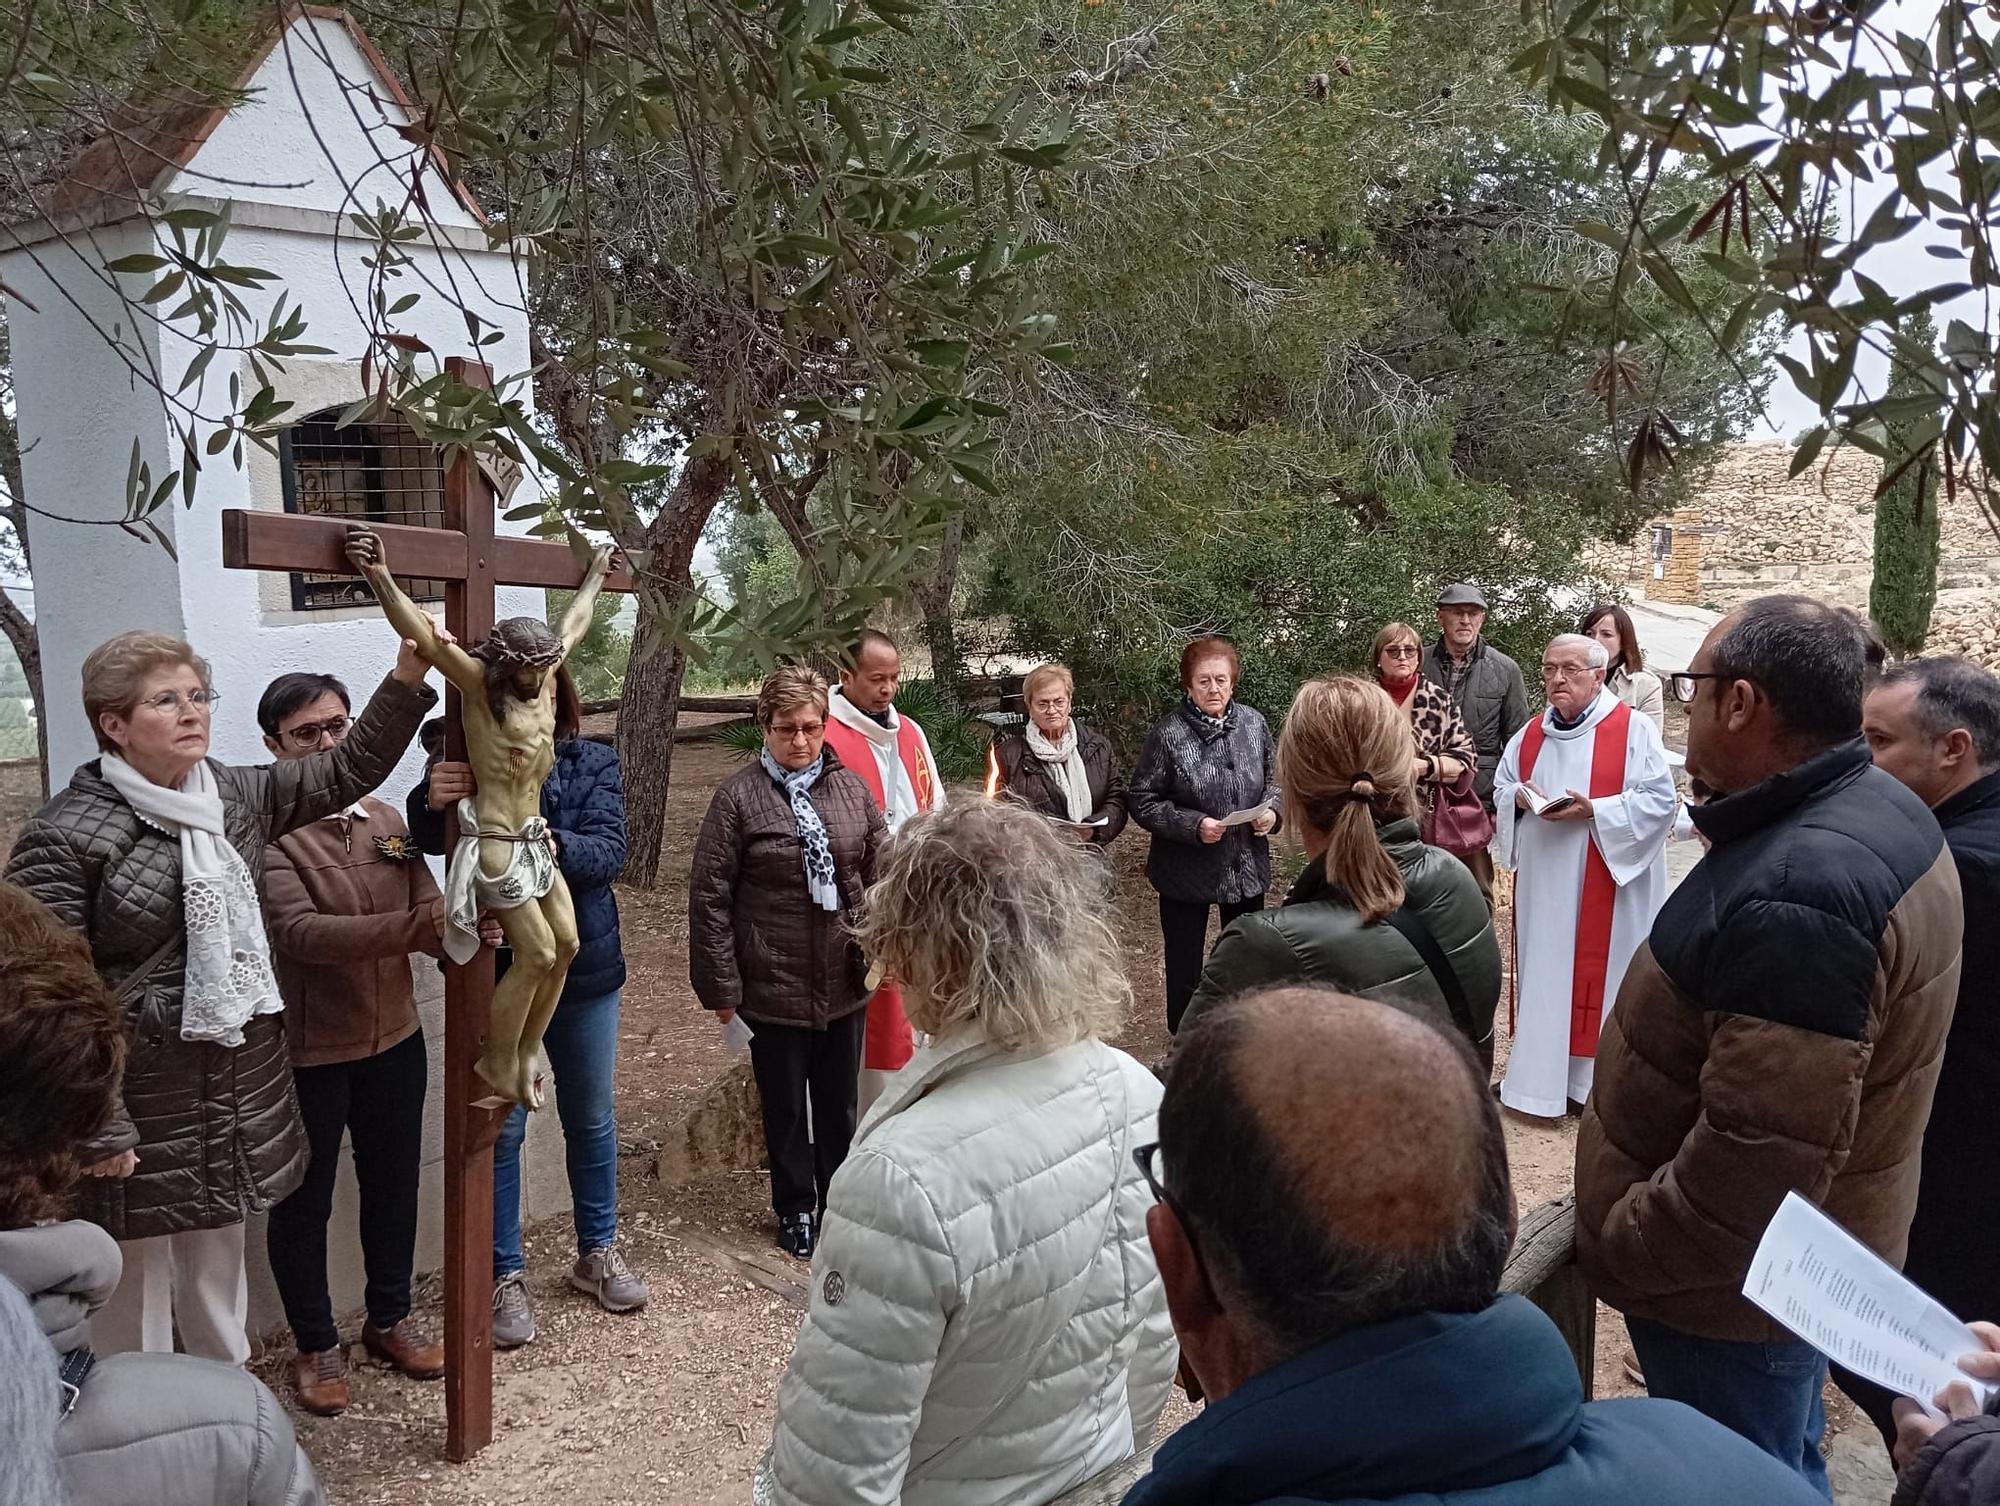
{"points": [[604, 1275], [795, 1235], [513, 1318]]}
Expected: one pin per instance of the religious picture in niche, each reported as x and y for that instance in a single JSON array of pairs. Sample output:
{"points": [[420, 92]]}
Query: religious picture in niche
{"points": [[505, 861], [363, 473]]}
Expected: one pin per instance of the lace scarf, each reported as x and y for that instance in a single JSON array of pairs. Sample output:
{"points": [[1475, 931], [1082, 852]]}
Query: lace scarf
{"points": [[813, 843], [228, 978]]}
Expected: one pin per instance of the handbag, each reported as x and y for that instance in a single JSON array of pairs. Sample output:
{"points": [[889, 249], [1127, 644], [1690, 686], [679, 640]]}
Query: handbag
{"points": [[1457, 819], [1417, 932]]}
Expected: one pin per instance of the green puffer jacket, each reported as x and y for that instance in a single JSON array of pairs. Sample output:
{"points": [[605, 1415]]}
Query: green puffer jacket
{"points": [[1316, 936]]}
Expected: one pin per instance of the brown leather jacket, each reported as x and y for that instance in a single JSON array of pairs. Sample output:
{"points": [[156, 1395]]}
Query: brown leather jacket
{"points": [[756, 941], [217, 1127], [345, 914]]}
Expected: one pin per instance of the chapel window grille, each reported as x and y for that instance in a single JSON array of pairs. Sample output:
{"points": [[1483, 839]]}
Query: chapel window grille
{"points": [[366, 473]]}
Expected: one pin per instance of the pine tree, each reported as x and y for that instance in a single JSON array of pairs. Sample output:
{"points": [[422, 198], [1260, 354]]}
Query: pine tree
{"points": [[1907, 524]]}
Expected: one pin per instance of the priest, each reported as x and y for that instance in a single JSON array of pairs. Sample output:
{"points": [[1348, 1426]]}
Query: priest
{"points": [[893, 757], [1584, 801]]}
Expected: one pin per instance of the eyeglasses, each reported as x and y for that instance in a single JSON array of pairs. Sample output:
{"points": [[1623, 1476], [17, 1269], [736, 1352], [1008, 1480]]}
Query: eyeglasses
{"points": [[1683, 685], [1567, 671], [308, 734], [792, 730], [169, 702], [1143, 1157], [1053, 703], [1401, 651]]}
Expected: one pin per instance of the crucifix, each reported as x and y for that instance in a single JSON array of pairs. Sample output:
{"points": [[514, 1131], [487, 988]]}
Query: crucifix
{"points": [[471, 560]]}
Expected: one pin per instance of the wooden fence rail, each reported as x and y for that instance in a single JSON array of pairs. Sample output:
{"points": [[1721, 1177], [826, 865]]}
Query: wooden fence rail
{"points": [[1542, 1269]]}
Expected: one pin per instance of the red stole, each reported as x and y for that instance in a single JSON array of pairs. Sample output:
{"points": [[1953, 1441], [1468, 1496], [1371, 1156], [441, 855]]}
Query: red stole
{"points": [[858, 753], [887, 1043], [1600, 890]]}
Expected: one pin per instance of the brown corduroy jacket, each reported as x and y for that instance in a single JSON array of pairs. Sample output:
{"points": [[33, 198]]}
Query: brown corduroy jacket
{"points": [[1781, 1031], [344, 916]]}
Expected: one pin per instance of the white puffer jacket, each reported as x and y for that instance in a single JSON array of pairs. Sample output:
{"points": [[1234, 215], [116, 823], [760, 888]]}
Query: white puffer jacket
{"points": [[987, 1323]]}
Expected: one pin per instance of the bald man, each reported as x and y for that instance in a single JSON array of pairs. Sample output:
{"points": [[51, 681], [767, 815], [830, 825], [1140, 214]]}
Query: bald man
{"points": [[1334, 1213]]}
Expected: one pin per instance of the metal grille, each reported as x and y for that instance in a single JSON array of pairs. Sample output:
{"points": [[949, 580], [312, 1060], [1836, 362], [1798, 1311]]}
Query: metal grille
{"points": [[367, 473]]}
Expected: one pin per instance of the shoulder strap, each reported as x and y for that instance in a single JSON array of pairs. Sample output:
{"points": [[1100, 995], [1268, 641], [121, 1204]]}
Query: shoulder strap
{"points": [[1417, 932], [143, 973]]}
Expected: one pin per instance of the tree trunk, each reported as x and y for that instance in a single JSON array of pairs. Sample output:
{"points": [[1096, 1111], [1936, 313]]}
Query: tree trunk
{"points": [[20, 632], [935, 595], [652, 694]]}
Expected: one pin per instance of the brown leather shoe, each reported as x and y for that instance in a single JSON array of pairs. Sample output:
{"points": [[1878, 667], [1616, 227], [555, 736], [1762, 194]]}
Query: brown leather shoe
{"points": [[405, 1348], [320, 1376]]}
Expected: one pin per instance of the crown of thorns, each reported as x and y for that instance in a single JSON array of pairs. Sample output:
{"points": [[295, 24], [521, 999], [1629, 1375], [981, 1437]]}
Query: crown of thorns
{"points": [[525, 642]]}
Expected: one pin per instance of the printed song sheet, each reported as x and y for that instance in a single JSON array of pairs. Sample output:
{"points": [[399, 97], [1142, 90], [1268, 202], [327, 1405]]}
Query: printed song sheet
{"points": [[1845, 1300]]}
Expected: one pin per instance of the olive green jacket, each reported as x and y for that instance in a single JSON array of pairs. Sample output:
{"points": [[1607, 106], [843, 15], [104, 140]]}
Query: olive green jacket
{"points": [[1317, 936]]}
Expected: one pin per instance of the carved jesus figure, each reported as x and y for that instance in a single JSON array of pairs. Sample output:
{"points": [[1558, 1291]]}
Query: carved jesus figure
{"points": [[505, 861]]}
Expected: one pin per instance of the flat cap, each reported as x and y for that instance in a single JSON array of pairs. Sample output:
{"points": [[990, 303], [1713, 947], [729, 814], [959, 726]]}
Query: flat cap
{"points": [[1462, 594]]}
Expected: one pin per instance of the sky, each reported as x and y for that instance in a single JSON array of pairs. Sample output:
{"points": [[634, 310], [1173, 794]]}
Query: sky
{"points": [[1901, 267]]}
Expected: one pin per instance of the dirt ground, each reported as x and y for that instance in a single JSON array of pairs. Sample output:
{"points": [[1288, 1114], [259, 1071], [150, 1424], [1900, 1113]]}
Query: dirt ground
{"points": [[674, 1403]]}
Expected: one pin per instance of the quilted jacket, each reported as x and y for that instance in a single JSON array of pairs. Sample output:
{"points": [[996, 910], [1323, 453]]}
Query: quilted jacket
{"points": [[1189, 770], [756, 940], [217, 1128], [583, 800], [1317, 936], [986, 1321], [1029, 779], [1780, 1031], [165, 1429]]}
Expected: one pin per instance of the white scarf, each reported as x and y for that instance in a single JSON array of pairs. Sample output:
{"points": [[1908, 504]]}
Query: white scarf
{"points": [[1066, 765], [228, 971]]}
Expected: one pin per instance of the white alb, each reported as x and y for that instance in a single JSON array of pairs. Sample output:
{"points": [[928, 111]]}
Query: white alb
{"points": [[986, 1321]]}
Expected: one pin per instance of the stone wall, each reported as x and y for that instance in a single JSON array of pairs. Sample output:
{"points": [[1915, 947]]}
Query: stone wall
{"points": [[1751, 529]]}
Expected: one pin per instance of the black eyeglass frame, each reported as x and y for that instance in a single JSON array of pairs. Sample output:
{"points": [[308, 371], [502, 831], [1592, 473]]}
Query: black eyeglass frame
{"points": [[1683, 684], [1142, 1157], [336, 727]]}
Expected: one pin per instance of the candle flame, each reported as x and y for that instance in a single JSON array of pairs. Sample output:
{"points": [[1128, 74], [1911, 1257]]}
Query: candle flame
{"points": [[992, 772]]}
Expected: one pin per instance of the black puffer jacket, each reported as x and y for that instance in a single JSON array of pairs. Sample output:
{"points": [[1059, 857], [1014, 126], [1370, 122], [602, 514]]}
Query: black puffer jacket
{"points": [[1960, 1466], [1317, 936], [1189, 770], [756, 940], [1025, 776], [217, 1128]]}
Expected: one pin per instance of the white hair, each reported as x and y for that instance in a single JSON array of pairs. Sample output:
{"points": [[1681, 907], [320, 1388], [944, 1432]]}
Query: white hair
{"points": [[1595, 654]]}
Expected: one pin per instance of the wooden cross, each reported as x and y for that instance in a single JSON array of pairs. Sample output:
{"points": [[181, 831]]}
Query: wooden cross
{"points": [[471, 560]]}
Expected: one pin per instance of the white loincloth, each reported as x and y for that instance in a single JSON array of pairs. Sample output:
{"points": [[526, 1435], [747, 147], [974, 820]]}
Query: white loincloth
{"points": [[530, 873]]}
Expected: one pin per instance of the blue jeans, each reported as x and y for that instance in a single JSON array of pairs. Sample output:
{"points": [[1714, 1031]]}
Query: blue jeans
{"points": [[1767, 1393], [582, 1049]]}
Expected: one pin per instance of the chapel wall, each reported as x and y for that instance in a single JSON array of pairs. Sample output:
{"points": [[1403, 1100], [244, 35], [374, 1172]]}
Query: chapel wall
{"points": [[1752, 529]]}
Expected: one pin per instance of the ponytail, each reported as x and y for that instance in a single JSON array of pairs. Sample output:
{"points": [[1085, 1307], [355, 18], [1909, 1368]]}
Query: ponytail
{"points": [[1340, 729]]}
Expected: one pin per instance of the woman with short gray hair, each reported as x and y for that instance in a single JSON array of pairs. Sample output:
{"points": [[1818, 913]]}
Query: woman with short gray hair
{"points": [[987, 1324], [154, 852], [785, 851]]}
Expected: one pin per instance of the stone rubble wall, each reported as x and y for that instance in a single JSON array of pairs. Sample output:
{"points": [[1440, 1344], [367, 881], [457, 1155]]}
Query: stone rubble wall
{"points": [[1751, 530]]}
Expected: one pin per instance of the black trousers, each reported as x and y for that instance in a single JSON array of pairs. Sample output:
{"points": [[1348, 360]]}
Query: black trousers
{"points": [[790, 1063], [1184, 930], [379, 1102]]}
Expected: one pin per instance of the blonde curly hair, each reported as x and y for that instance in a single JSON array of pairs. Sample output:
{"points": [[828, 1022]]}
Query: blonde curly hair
{"points": [[992, 921]]}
